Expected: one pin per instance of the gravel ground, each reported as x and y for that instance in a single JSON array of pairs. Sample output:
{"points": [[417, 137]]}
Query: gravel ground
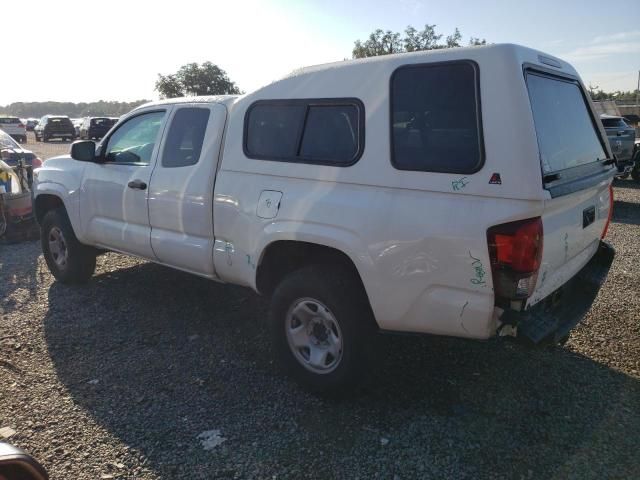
{"points": [[118, 378]]}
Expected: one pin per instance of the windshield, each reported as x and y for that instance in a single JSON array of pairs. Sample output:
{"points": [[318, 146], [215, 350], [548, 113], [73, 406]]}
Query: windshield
{"points": [[7, 142], [566, 133]]}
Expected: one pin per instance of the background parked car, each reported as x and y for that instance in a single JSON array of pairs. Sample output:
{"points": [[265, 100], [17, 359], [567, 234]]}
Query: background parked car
{"points": [[31, 124], [55, 126], [96, 127], [621, 138], [14, 127]]}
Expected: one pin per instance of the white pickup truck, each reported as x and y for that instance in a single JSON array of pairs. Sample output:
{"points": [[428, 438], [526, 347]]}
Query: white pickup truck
{"points": [[460, 192]]}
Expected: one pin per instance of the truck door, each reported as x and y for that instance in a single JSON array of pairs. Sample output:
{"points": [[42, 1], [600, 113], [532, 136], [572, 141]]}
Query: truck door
{"points": [[181, 189], [113, 196]]}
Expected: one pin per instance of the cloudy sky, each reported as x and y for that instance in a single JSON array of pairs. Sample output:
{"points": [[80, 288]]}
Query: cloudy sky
{"points": [[73, 50]]}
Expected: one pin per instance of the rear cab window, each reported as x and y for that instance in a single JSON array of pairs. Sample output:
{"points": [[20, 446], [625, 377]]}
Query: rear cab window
{"points": [[60, 121], [614, 123], [566, 131]]}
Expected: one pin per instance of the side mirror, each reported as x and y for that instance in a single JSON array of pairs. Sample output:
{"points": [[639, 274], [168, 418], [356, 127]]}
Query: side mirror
{"points": [[84, 151], [18, 465]]}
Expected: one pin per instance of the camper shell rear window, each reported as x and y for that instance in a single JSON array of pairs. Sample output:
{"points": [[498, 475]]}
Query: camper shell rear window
{"points": [[567, 133]]}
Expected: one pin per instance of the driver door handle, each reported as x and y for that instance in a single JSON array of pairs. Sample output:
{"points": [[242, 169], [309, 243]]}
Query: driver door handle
{"points": [[137, 184]]}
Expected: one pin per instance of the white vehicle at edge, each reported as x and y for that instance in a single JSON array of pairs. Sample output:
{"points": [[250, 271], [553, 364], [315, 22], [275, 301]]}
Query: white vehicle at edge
{"points": [[459, 192]]}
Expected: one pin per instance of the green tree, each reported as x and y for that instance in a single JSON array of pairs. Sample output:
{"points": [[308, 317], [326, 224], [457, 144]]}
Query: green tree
{"points": [[426, 39], [476, 42], [378, 43], [193, 79], [383, 43], [453, 40]]}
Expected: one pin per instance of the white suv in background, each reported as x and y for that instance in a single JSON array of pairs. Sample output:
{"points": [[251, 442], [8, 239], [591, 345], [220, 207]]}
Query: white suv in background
{"points": [[14, 127]]}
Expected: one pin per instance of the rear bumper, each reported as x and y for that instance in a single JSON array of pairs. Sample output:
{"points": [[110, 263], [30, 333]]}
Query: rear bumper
{"points": [[553, 318]]}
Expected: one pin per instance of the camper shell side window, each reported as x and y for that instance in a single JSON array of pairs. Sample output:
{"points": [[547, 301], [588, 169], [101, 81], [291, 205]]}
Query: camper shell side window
{"points": [[315, 131], [436, 123]]}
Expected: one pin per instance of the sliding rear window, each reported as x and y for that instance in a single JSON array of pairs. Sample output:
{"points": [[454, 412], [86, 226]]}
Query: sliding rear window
{"points": [[567, 134]]}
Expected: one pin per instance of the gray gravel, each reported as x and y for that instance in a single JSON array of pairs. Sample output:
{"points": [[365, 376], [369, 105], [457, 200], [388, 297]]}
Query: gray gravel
{"points": [[118, 378]]}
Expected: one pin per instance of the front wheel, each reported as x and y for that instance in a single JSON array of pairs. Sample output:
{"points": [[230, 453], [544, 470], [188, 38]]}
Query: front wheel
{"points": [[323, 328], [68, 260]]}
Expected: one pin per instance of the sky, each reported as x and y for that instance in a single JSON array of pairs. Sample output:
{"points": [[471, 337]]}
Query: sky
{"points": [[81, 51]]}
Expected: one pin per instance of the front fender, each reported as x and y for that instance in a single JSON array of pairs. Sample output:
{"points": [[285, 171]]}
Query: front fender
{"points": [[62, 182]]}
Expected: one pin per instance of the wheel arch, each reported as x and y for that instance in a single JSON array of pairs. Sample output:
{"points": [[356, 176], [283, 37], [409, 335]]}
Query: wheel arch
{"points": [[282, 257], [46, 202]]}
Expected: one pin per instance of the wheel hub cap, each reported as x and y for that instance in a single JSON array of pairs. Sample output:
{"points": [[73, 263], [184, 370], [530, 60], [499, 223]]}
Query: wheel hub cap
{"points": [[314, 336], [58, 247]]}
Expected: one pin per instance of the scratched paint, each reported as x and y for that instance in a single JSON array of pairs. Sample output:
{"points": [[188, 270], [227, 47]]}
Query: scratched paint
{"points": [[463, 307], [459, 184], [566, 246], [461, 314], [478, 270], [229, 249], [250, 263]]}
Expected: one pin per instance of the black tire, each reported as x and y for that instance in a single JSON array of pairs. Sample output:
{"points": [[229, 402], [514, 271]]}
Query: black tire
{"points": [[80, 259], [635, 171], [342, 293]]}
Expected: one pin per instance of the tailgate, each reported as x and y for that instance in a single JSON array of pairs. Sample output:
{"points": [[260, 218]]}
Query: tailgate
{"points": [[573, 225]]}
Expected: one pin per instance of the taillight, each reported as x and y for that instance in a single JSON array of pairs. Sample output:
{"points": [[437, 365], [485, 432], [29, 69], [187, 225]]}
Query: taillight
{"points": [[21, 125], [36, 163], [606, 225], [515, 250]]}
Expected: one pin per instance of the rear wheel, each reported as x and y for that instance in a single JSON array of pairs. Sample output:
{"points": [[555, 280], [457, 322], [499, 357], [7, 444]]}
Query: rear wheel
{"points": [[323, 328], [68, 260]]}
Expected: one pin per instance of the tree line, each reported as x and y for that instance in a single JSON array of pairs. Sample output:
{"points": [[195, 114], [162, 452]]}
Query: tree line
{"points": [[629, 96], [91, 109]]}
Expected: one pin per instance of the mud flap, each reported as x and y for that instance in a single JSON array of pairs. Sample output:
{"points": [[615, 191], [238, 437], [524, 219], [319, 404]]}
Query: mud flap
{"points": [[552, 319]]}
